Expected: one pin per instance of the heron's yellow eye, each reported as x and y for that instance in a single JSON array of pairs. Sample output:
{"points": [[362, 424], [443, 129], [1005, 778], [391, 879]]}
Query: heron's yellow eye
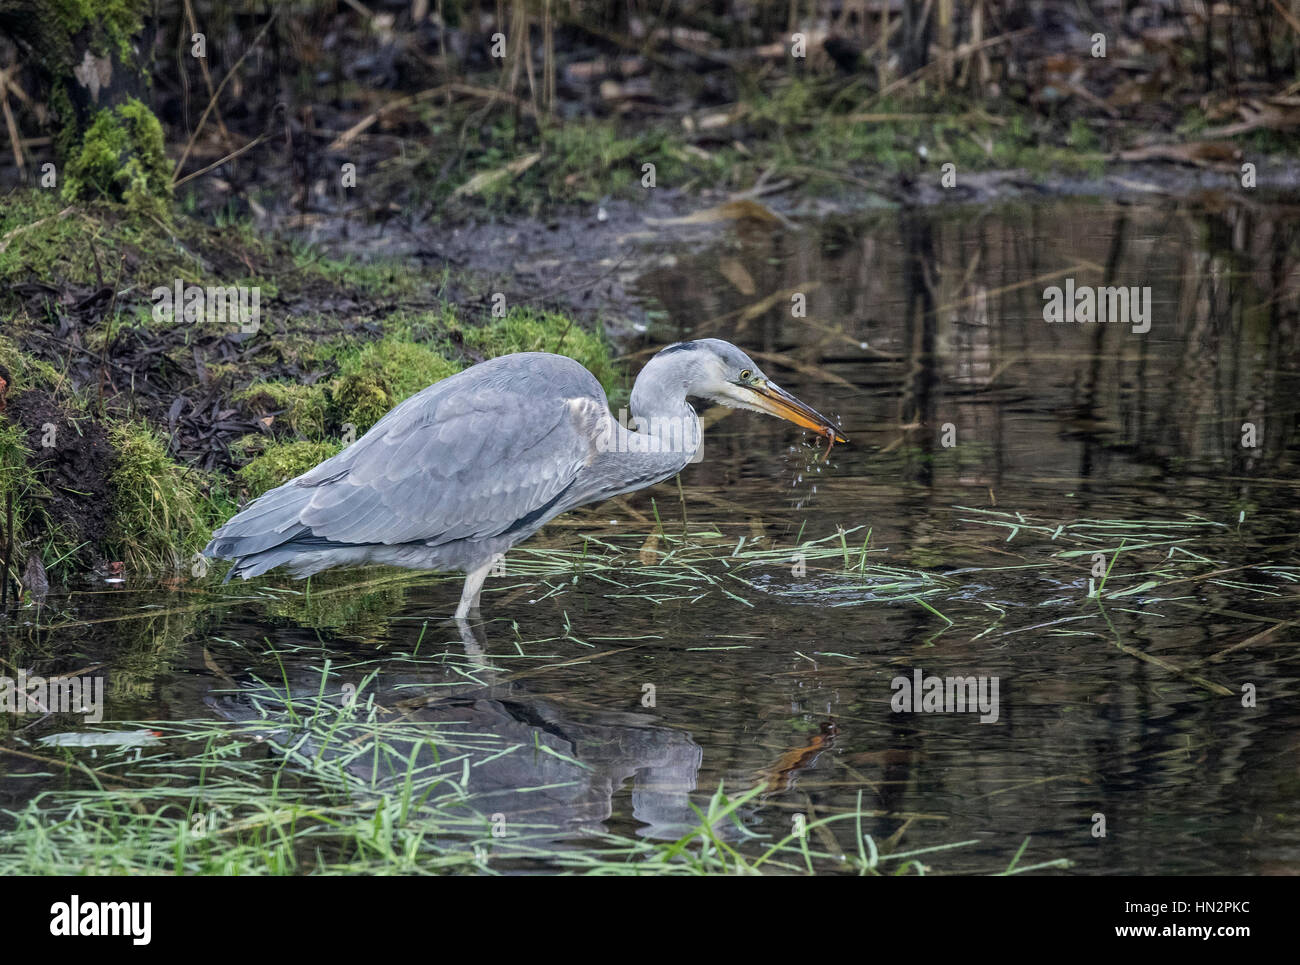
{"points": [[745, 375]]}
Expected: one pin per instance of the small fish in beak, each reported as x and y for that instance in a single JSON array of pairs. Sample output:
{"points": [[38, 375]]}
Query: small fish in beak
{"points": [[774, 400]]}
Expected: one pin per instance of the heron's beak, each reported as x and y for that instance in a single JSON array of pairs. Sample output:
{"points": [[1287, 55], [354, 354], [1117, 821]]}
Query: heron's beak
{"points": [[778, 402]]}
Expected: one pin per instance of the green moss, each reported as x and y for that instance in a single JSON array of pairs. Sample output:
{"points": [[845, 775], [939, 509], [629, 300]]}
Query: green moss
{"points": [[121, 158], [531, 330], [39, 238], [382, 374], [588, 161], [26, 372], [80, 245], [160, 514], [66, 130], [120, 20], [281, 461], [301, 407], [378, 278], [379, 375]]}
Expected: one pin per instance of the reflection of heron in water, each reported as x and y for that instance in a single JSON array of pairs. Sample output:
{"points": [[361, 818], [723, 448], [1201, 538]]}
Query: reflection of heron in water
{"points": [[467, 468], [551, 771]]}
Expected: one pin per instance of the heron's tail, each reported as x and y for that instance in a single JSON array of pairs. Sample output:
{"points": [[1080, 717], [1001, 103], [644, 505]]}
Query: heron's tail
{"points": [[265, 534]]}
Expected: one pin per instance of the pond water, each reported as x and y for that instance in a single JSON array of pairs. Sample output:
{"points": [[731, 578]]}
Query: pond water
{"points": [[993, 454]]}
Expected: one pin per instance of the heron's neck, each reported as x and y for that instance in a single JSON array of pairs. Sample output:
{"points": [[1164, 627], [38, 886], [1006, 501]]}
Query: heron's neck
{"points": [[663, 435], [666, 435]]}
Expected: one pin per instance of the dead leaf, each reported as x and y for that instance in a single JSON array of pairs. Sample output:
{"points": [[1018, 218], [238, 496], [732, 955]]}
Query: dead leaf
{"points": [[1199, 153], [486, 179], [781, 774], [735, 272], [1279, 115], [727, 211], [216, 668], [649, 555]]}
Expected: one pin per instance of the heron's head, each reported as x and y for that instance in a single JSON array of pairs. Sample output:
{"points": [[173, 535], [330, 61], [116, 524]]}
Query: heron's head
{"points": [[720, 372]]}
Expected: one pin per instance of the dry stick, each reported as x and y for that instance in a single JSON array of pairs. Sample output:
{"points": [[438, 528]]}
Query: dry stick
{"points": [[21, 94], [9, 548], [1160, 662], [528, 67], [216, 164], [807, 368], [976, 35], [548, 45], [1286, 15], [1177, 671], [469, 90], [351, 134], [442, 48], [1074, 776], [213, 101], [11, 124], [946, 61], [882, 51], [207, 77], [518, 41], [359, 8], [1078, 266], [1255, 638], [89, 771]]}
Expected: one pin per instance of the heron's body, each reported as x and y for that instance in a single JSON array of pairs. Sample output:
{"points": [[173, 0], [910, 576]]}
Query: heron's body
{"points": [[473, 465]]}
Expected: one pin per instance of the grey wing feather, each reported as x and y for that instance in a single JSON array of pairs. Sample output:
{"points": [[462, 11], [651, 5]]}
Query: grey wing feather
{"points": [[466, 458]]}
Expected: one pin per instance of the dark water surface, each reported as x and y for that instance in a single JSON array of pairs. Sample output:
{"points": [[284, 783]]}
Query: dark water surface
{"points": [[1067, 440]]}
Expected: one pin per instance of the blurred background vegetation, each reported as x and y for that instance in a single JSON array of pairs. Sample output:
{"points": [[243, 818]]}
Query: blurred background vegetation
{"points": [[530, 101]]}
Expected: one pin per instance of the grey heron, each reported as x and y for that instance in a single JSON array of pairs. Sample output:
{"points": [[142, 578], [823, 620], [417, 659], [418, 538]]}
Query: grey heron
{"points": [[465, 469]]}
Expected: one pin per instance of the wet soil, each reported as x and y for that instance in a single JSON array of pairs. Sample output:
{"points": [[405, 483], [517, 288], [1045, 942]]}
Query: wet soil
{"points": [[72, 461]]}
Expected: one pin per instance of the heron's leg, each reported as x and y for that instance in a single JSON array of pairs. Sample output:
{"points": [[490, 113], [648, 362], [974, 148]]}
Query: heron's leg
{"points": [[473, 589], [474, 639]]}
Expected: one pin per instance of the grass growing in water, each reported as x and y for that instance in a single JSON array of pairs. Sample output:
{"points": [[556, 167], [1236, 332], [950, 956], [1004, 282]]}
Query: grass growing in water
{"points": [[326, 782]]}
